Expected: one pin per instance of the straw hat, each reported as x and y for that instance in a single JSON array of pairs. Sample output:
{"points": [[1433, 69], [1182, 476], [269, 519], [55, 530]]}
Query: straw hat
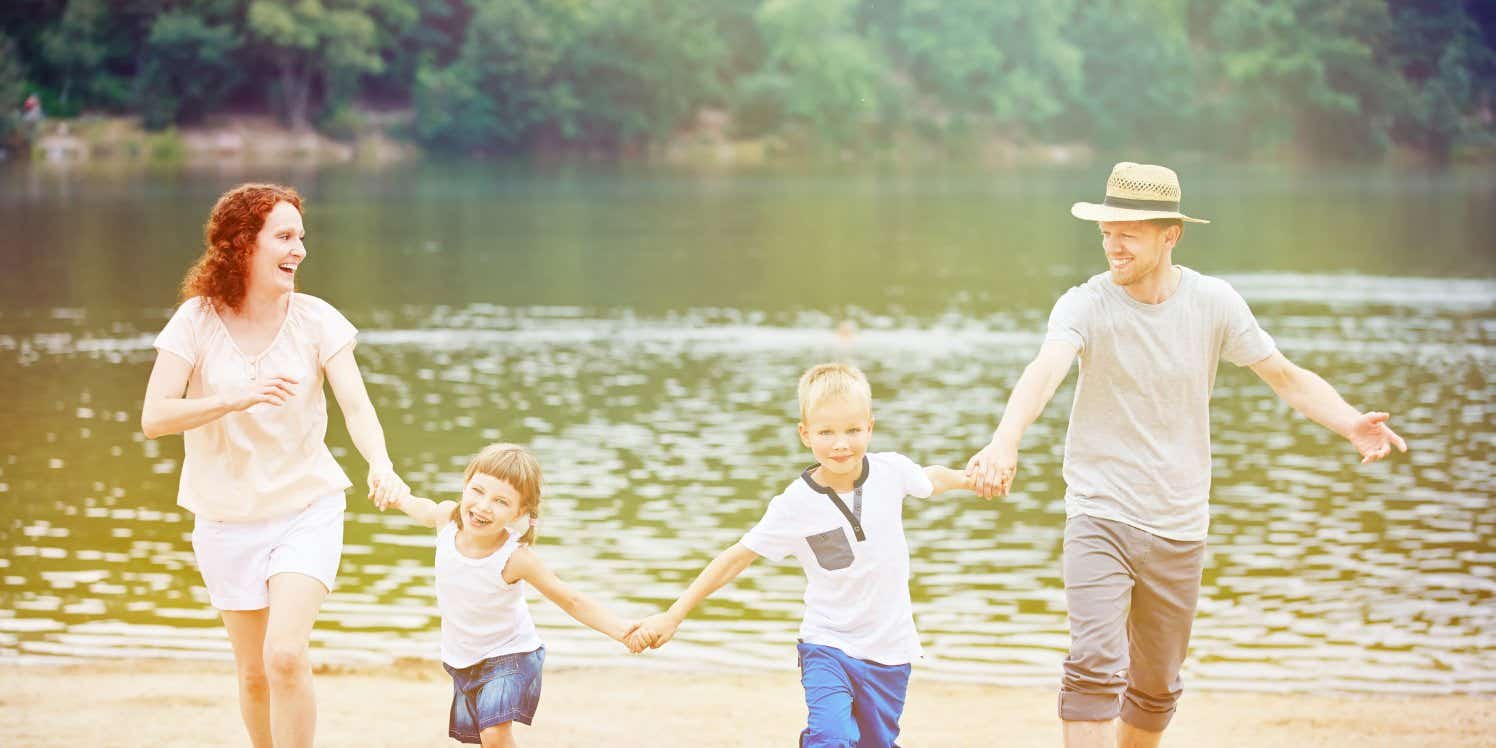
{"points": [[1136, 192]]}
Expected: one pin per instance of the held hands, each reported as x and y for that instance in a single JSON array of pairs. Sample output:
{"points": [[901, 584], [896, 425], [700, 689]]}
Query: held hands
{"points": [[651, 633], [273, 390], [1373, 438], [386, 488], [990, 472]]}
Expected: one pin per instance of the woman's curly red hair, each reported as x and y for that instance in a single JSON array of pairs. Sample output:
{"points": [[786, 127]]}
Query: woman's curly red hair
{"points": [[221, 275]]}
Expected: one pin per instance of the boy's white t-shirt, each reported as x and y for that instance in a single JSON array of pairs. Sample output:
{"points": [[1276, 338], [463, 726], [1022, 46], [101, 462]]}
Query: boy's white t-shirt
{"points": [[266, 461], [856, 592], [482, 615]]}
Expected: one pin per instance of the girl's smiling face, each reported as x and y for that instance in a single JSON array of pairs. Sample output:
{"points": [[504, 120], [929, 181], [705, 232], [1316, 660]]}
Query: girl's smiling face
{"points": [[489, 505]]}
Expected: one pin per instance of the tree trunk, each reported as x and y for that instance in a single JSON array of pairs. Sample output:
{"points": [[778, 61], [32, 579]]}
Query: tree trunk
{"points": [[295, 90]]}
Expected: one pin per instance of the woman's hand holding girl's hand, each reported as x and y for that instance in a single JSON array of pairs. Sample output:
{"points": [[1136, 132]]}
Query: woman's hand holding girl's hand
{"points": [[386, 488], [274, 390]]}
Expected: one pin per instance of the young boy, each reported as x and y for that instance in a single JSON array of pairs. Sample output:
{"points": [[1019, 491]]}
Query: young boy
{"points": [[842, 519]]}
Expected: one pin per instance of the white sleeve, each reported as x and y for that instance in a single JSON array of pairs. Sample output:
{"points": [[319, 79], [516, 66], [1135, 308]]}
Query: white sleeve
{"points": [[179, 337], [334, 331], [774, 536], [916, 483]]}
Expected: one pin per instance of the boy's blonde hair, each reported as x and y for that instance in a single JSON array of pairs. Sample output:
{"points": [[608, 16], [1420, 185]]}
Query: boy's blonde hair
{"points": [[515, 465], [826, 381]]}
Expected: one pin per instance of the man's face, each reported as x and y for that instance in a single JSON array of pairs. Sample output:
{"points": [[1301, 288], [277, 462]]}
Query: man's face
{"points": [[1135, 249]]}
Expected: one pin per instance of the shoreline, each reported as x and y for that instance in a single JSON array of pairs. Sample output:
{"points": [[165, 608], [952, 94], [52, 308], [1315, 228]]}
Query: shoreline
{"points": [[193, 703]]}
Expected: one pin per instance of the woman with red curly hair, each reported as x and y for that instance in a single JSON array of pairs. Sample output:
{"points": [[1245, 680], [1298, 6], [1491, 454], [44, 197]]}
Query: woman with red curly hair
{"points": [[239, 372]]}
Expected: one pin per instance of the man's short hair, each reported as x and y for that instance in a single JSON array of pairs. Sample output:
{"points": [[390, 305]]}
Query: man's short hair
{"points": [[1163, 223], [826, 381]]}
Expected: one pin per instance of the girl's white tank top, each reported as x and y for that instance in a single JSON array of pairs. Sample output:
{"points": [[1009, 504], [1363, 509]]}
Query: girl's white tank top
{"points": [[482, 615]]}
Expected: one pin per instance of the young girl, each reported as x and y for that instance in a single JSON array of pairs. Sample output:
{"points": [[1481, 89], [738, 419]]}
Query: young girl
{"points": [[489, 644]]}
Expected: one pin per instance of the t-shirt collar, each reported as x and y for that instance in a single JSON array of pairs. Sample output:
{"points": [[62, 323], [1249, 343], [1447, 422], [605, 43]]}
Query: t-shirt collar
{"points": [[818, 488]]}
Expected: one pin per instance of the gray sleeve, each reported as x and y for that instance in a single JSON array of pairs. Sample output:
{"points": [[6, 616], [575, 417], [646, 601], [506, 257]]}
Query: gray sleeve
{"points": [[1068, 321], [1245, 343]]}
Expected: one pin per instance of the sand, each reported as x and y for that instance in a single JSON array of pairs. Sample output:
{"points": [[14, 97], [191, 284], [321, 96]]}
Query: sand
{"points": [[176, 703]]}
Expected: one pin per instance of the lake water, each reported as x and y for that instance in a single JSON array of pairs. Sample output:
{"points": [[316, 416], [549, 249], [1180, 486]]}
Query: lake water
{"points": [[641, 331]]}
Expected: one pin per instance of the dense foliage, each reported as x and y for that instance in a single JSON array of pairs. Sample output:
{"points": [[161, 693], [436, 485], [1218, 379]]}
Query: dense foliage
{"points": [[1332, 78]]}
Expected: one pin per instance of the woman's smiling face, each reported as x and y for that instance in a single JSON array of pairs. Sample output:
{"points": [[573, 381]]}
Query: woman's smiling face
{"points": [[278, 250]]}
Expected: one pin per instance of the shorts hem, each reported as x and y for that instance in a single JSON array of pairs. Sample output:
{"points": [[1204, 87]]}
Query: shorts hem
{"points": [[239, 605], [271, 574], [468, 737]]}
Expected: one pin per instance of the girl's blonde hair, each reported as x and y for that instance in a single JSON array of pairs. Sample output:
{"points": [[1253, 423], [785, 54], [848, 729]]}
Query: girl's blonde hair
{"points": [[515, 465]]}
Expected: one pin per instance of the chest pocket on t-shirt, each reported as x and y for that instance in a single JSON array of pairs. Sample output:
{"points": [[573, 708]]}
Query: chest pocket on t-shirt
{"points": [[833, 550]]}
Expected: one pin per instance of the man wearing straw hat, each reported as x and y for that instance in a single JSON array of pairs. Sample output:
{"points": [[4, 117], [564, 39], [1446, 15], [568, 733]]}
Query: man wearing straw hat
{"points": [[1149, 335]]}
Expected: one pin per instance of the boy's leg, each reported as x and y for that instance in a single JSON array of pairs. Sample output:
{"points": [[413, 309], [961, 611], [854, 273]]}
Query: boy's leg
{"points": [[498, 736], [878, 701], [828, 699], [246, 629], [1098, 584], [1158, 633]]}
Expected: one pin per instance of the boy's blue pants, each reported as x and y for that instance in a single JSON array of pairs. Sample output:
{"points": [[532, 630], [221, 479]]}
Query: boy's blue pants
{"points": [[853, 703]]}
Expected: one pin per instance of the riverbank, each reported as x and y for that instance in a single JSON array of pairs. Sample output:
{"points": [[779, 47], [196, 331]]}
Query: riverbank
{"points": [[167, 703], [220, 141]]}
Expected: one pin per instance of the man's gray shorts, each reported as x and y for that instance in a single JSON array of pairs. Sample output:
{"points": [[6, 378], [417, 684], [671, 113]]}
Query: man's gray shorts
{"points": [[1131, 597]]}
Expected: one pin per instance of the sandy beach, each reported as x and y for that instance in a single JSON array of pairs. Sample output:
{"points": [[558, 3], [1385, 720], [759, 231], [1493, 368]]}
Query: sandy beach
{"points": [[192, 704]]}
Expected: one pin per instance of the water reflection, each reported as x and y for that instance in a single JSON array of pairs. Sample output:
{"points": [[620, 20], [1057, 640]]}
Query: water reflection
{"points": [[663, 436]]}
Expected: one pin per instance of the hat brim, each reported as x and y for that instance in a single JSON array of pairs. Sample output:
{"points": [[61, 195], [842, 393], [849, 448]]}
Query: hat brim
{"points": [[1097, 212]]}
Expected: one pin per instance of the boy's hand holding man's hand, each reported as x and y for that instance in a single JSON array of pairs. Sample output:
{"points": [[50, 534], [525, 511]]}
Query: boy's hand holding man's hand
{"points": [[990, 472]]}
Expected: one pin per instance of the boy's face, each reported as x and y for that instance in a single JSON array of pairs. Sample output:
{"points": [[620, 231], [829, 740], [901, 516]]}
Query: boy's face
{"points": [[837, 431], [489, 504]]}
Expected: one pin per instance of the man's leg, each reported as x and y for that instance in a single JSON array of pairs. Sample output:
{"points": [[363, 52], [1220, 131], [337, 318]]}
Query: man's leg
{"points": [[1158, 632], [1098, 585]]}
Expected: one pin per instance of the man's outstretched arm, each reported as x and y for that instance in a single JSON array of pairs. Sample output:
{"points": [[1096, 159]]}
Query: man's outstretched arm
{"points": [[1309, 394], [991, 470]]}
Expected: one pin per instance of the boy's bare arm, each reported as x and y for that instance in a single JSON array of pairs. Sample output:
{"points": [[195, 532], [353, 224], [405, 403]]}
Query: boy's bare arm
{"points": [[660, 627], [945, 479]]}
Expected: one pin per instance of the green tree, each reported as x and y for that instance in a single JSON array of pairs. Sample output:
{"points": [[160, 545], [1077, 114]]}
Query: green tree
{"points": [[818, 71], [641, 69], [1445, 65], [189, 64], [1300, 71], [508, 82], [1009, 63], [76, 50], [313, 44], [1140, 82], [12, 88]]}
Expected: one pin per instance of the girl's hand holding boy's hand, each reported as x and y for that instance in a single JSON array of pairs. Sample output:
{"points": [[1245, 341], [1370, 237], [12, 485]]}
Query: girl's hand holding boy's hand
{"points": [[653, 632]]}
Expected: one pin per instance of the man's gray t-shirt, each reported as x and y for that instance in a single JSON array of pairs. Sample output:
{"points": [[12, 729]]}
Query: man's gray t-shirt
{"points": [[1138, 447]]}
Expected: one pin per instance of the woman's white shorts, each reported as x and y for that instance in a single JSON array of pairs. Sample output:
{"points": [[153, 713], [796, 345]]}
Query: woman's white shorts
{"points": [[237, 559]]}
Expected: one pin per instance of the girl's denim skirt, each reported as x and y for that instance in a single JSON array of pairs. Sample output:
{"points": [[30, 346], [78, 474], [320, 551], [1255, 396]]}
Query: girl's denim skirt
{"points": [[494, 691]]}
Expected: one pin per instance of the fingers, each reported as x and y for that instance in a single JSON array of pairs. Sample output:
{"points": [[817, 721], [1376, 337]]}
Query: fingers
{"points": [[1402, 446], [1376, 416]]}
